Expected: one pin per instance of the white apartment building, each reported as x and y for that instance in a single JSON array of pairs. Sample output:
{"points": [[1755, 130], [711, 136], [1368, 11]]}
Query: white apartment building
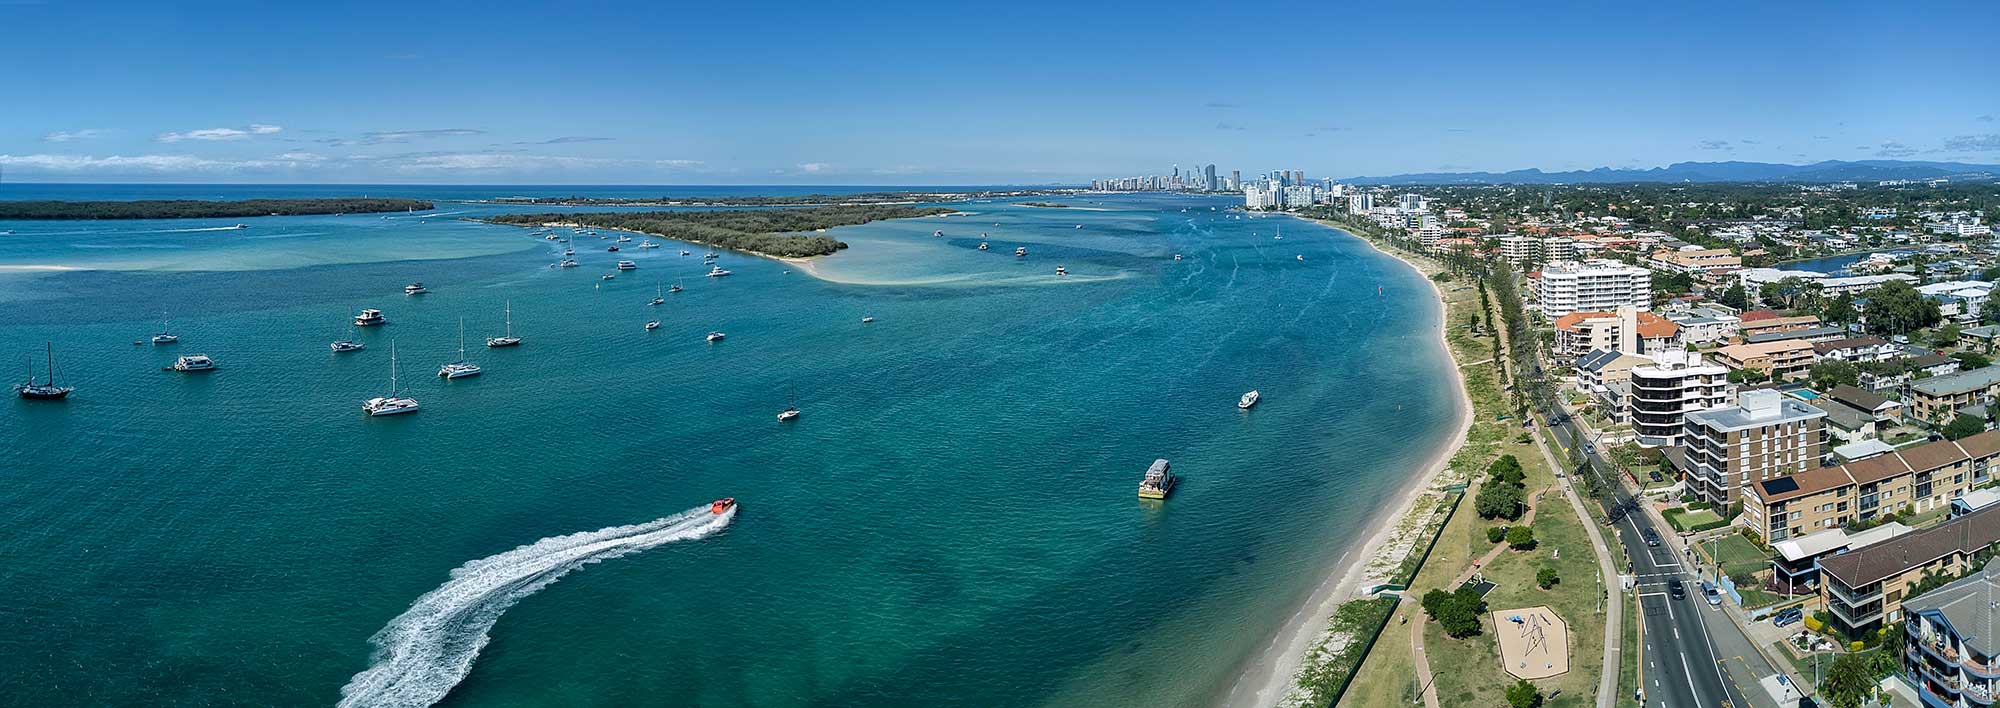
{"points": [[1857, 284], [1256, 196], [1704, 325], [1661, 396], [1558, 248], [1572, 286], [1360, 203], [1521, 250]]}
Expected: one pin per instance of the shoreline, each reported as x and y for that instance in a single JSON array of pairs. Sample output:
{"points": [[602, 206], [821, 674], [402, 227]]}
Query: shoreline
{"points": [[803, 263], [1271, 678]]}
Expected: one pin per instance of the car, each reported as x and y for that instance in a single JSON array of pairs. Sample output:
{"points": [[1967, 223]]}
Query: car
{"points": [[1677, 589], [1656, 476], [1589, 449], [1652, 538], [1789, 616], [1710, 593]]}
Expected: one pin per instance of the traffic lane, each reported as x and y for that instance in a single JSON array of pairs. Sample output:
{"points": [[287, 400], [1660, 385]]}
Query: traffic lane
{"points": [[1665, 679]]}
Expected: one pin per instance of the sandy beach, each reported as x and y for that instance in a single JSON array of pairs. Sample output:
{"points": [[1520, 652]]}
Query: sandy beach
{"points": [[1269, 679]]}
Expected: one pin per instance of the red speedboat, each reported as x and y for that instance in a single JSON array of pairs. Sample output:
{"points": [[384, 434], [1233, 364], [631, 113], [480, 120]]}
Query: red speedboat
{"points": [[722, 505]]}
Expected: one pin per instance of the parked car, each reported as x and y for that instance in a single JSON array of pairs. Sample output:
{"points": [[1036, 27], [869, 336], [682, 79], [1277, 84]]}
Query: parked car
{"points": [[1710, 593], [1788, 616], [1652, 538], [1677, 589]]}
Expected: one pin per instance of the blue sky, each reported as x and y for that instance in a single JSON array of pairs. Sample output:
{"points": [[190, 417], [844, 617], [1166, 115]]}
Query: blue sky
{"points": [[964, 93]]}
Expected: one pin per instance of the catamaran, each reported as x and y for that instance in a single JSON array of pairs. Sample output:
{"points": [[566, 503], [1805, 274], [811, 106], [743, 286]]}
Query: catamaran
{"points": [[43, 391], [508, 339], [395, 402], [459, 368]]}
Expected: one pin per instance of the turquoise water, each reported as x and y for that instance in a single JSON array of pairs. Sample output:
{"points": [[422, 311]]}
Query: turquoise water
{"points": [[951, 522]]}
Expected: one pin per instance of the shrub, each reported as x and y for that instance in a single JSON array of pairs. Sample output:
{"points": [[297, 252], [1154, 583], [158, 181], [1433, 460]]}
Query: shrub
{"points": [[1496, 534], [1497, 500], [1547, 578], [1855, 646], [1523, 695], [1507, 469], [1521, 538], [1813, 623]]}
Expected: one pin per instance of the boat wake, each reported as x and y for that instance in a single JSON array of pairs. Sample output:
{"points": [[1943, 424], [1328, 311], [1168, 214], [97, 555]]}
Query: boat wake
{"points": [[428, 649]]}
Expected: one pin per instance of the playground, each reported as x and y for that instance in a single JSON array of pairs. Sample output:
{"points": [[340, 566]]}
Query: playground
{"points": [[1534, 642]]}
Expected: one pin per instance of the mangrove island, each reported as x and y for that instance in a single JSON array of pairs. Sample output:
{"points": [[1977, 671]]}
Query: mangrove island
{"points": [[768, 232]]}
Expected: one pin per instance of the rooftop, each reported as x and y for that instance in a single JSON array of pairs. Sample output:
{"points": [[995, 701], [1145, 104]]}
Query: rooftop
{"points": [[1961, 382], [1807, 333], [1866, 566], [1969, 606], [1850, 343], [1755, 408]]}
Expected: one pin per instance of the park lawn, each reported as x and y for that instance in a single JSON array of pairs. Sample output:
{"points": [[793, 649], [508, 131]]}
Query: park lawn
{"points": [[1628, 652], [1683, 520], [1737, 554]]}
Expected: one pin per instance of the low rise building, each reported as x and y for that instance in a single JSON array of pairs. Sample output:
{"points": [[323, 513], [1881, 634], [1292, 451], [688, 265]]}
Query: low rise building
{"points": [[1766, 434], [1979, 339], [1783, 360], [1704, 325], [1951, 641], [1795, 563], [1628, 330], [1764, 325], [1811, 335], [1865, 348], [1865, 588], [1705, 263], [1858, 284], [1845, 424], [1934, 400], [1919, 478]]}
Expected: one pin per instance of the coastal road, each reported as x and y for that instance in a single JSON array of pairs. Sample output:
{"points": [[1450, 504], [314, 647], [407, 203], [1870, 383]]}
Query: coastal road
{"points": [[1682, 664]]}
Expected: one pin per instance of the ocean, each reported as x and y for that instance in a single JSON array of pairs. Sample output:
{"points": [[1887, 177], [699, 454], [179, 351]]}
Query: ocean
{"points": [[951, 522]]}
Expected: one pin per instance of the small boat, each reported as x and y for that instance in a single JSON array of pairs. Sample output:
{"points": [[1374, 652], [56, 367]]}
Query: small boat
{"points": [[627, 265], [346, 345], [652, 325], [508, 339], [716, 272], [982, 245], [1079, 226], [607, 276], [715, 336], [1159, 481], [648, 244], [722, 505], [394, 402], [567, 263], [1302, 257], [712, 255], [459, 368], [684, 252], [613, 248], [44, 391], [938, 233], [569, 251], [659, 299], [676, 288], [194, 362], [240, 226], [1061, 271], [164, 337], [624, 239], [369, 318], [1177, 256], [415, 289], [1021, 252], [867, 319], [1248, 400], [791, 411], [550, 237]]}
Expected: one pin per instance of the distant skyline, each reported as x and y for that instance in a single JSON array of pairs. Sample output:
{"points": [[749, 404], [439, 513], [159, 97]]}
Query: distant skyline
{"points": [[929, 93]]}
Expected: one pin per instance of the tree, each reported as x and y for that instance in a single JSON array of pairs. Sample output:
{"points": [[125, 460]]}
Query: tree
{"points": [[1736, 298], [1435, 601], [1521, 538], [1972, 360], [1839, 310], [1547, 578], [1507, 469], [1499, 500], [1989, 311], [1897, 308], [1963, 426], [1848, 682], [1747, 376], [1496, 534], [1523, 695], [1834, 372]]}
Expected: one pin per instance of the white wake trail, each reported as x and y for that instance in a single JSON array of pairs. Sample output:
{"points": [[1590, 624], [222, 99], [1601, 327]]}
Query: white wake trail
{"points": [[428, 649]]}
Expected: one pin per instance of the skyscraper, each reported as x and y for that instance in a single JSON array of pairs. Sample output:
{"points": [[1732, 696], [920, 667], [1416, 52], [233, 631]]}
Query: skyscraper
{"points": [[1208, 177], [1235, 180]]}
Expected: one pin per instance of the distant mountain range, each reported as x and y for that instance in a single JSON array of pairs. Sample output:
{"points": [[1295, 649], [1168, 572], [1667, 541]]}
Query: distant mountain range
{"points": [[1828, 171]]}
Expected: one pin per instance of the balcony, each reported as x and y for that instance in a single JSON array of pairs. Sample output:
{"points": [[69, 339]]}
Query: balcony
{"points": [[1850, 597]]}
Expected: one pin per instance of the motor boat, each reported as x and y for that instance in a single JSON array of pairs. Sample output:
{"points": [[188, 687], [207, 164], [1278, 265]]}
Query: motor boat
{"points": [[627, 265], [194, 362], [721, 505], [715, 336], [1248, 400], [1061, 271], [415, 289], [347, 345], [369, 318], [652, 325], [716, 272]]}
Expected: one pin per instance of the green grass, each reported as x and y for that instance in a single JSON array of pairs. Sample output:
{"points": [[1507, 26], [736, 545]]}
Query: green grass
{"points": [[1327, 674], [1754, 598], [1697, 520], [1737, 554], [1628, 653]]}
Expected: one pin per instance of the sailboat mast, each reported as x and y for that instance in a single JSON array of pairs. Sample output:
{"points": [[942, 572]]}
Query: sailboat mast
{"points": [[392, 367], [461, 339], [510, 318], [50, 347]]}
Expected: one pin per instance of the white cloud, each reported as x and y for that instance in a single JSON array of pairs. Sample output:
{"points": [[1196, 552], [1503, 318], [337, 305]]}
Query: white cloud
{"points": [[220, 134], [63, 136], [810, 167], [160, 164]]}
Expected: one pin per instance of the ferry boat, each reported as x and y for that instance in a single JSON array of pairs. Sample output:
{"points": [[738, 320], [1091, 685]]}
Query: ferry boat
{"points": [[722, 505], [567, 263], [652, 325], [194, 362], [1061, 271], [164, 337], [1159, 481], [1020, 251], [715, 336], [628, 265], [415, 289], [716, 272], [48, 391], [459, 368], [1248, 400], [395, 402], [369, 318], [508, 339]]}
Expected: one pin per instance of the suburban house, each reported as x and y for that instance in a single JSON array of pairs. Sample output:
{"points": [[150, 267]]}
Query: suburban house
{"points": [[1979, 339], [1704, 325], [1845, 424], [1782, 360], [1866, 587], [1881, 408], [1936, 399], [1866, 348]]}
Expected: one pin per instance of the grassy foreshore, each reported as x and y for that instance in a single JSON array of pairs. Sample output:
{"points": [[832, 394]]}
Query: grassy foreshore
{"points": [[1468, 671]]}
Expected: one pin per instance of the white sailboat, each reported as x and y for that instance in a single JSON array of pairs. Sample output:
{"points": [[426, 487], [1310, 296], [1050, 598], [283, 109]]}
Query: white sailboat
{"points": [[508, 339], [395, 402], [459, 368], [165, 337]]}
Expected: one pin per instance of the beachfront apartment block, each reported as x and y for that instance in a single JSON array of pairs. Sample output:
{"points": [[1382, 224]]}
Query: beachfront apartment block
{"points": [[1705, 263], [1766, 434], [1525, 251], [1951, 636], [1783, 360], [1705, 325], [1661, 395], [1867, 587], [1628, 330], [1936, 399], [1763, 322], [1921, 478], [1564, 287]]}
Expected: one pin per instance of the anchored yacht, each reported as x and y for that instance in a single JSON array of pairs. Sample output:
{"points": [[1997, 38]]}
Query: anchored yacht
{"points": [[164, 337], [44, 391], [715, 336], [1248, 400], [369, 318], [394, 402], [716, 272], [508, 339], [415, 289], [459, 368], [628, 265]]}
